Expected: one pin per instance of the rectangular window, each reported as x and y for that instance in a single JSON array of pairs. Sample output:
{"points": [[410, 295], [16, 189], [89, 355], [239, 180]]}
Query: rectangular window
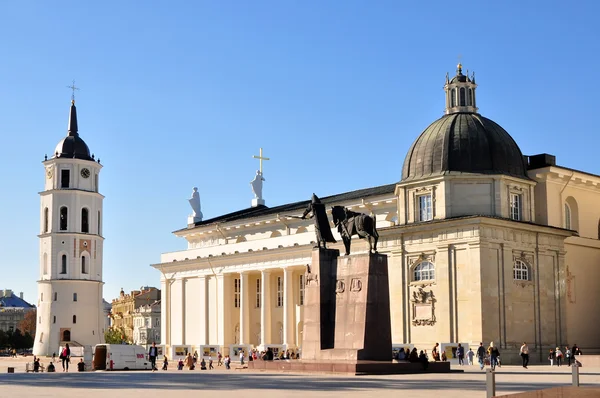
{"points": [[279, 292], [55, 296], [301, 298], [425, 209], [515, 206], [54, 319], [258, 293], [74, 296], [236, 293], [64, 178]]}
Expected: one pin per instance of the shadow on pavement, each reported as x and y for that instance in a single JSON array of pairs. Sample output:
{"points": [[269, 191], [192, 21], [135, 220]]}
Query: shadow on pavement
{"points": [[262, 381]]}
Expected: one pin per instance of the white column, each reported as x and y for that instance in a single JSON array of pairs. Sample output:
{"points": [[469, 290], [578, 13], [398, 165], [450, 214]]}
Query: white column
{"points": [[265, 308], [165, 312], [244, 309], [221, 309], [288, 306], [203, 307], [183, 286]]}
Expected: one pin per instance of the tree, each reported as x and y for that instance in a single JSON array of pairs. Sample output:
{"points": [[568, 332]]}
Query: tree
{"points": [[27, 325], [3, 339], [115, 335]]}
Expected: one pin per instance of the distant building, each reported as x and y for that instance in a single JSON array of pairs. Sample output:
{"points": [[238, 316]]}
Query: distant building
{"points": [[107, 309], [124, 307], [146, 324], [12, 309]]}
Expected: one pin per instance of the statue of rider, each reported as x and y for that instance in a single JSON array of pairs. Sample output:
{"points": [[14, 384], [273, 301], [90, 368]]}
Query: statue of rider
{"points": [[322, 227]]}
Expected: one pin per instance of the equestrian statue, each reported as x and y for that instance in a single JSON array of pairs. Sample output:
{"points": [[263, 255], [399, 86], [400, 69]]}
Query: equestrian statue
{"points": [[351, 223]]}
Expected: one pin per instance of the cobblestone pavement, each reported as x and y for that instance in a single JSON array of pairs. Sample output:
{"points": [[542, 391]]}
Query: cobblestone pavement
{"points": [[471, 383]]}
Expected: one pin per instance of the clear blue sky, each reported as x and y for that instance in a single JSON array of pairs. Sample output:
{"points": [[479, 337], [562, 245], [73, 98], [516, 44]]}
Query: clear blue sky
{"points": [[176, 94]]}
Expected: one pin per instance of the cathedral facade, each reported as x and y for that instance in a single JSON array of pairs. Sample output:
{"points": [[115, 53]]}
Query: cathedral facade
{"points": [[484, 244]]}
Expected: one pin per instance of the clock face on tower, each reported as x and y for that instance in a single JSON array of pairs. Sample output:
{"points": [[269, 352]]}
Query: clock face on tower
{"points": [[85, 173]]}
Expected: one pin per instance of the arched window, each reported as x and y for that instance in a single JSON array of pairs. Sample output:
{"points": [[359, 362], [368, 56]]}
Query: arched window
{"points": [[64, 216], [84, 268], [63, 264], [99, 231], [46, 215], [520, 271], [567, 216], [463, 96], [453, 98], [470, 98], [424, 271], [572, 214], [74, 318], [85, 226]]}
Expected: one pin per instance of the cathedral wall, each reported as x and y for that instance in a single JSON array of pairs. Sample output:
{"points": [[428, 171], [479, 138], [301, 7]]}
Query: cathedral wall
{"points": [[583, 295], [468, 293], [491, 259], [396, 283], [469, 198], [177, 312], [212, 310], [254, 310], [192, 303]]}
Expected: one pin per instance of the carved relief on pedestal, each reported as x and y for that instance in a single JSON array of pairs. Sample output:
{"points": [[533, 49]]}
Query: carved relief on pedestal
{"points": [[355, 285], [423, 304], [340, 286]]}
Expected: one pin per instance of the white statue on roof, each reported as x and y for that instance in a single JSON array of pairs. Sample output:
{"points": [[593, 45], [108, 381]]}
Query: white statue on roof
{"points": [[257, 185], [196, 216]]}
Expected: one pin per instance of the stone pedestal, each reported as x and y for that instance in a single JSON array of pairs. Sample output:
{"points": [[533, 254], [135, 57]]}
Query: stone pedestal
{"points": [[347, 308], [320, 304], [347, 325]]}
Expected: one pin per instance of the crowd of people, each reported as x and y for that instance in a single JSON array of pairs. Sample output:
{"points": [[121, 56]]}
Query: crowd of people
{"points": [[191, 361]]}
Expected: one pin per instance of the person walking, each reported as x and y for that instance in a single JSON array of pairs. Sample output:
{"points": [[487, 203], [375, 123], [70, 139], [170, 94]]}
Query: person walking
{"points": [[65, 357], [481, 355], [470, 355], [460, 352], [525, 354], [494, 354], [568, 355], [559, 356], [551, 357], [152, 354]]}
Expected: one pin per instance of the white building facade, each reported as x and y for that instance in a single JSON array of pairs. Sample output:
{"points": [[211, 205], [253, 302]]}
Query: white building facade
{"points": [[146, 324], [70, 305]]}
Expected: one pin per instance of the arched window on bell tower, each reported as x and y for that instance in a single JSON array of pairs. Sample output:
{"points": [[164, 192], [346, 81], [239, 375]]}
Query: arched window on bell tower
{"points": [[46, 219], [84, 266], [63, 264], [85, 225], [64, 218]]}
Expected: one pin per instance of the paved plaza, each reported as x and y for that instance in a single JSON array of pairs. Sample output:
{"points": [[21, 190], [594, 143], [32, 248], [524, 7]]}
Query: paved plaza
{"points": [[471, 383]]}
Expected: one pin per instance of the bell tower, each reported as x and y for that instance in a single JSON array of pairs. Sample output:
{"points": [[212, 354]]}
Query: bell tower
{"points": [[460, 93], [70, 283]]}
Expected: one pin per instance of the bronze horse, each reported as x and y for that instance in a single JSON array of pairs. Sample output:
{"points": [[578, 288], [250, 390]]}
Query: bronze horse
{"points": [[351, 223]]}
